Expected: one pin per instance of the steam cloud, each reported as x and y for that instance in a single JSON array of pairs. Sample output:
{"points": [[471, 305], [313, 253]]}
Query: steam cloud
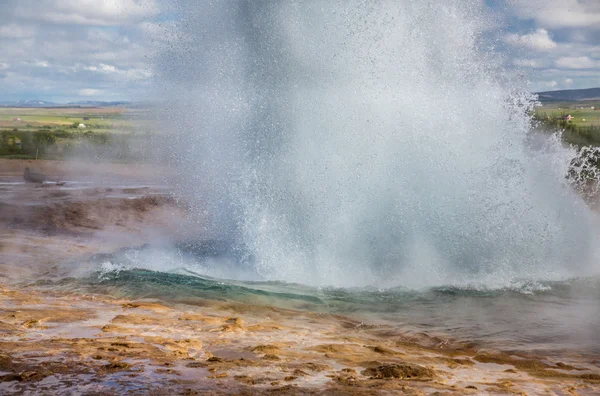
{"points": [[356, 143]]}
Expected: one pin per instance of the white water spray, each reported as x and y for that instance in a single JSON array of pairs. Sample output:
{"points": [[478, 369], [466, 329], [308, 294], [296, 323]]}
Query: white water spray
{"points": [[356, 143]]}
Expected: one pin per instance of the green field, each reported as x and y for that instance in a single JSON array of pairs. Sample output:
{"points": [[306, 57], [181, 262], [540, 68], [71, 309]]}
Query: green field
{"points": [[115, 120], [582, 130], [55, 133], [582, 113], [121, 134]]}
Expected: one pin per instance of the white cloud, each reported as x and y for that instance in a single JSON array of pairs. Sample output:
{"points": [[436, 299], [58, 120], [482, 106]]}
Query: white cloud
{"points": [[580, 62], [532, 63], [107, 68], [34, 63], [559, 13], [135, 73], [564, 49], [539, 40], [102, 48], [581, 78], [89, 92], [64, 49], [138, 74], [14, 31], [85, 12]]}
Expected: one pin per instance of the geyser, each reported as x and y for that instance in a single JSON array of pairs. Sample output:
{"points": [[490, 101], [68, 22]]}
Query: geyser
{"points": [[357, 143]]}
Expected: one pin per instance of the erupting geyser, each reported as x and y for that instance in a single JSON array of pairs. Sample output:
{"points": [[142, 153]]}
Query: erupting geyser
{"points": [[357, 143]]}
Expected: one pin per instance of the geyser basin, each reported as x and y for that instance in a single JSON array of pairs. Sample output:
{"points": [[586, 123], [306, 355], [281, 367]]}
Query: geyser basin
{"points": [[543, 317], [367, 143]]}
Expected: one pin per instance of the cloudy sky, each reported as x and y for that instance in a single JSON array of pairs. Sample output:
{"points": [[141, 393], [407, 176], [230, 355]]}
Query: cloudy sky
{"points": [[64, 50]]}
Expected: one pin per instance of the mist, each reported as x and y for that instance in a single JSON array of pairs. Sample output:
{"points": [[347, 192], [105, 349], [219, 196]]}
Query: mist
{"points": [[359, 143]]}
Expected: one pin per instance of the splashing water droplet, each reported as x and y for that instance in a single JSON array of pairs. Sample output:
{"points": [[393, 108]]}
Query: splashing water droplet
{"points": [[367, 143]]}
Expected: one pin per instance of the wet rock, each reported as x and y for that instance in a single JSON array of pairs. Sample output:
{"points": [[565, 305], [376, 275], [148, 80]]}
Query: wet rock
{"points": [[111, 328], [400, 371], [233, 325], [245, 379], [270, 356], [346, 377], [130, 306], [531, 366], [23, 376], [265, 327], [284, 389], [257, 380], [567, 367], [117, 366], [383, 351], [7, 328], [137, 319], [33, 177], [6, 362], [337, 348], [265, 349], [31, 323], [168, 371], [591, 377], [317, 367], [201, 318], [455, 362], [298, 373]]}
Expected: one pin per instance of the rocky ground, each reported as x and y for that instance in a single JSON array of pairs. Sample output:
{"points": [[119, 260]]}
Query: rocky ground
{"points": [[58, 342]]}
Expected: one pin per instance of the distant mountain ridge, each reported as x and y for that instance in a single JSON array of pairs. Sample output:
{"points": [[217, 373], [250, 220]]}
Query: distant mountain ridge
{"points": [[569, 95], [99, 103], [27, 103], [44, 103]]}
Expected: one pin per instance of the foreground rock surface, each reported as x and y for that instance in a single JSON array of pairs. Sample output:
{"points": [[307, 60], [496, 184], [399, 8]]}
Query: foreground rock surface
{"points": [[57, 341]]}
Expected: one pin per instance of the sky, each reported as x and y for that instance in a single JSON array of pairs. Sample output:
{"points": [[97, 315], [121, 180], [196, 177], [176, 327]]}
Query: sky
{"points": [[73, 50]]}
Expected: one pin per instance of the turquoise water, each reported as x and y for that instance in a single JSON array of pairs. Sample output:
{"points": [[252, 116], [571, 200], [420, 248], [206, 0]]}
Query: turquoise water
{"points": [[551, 316]]}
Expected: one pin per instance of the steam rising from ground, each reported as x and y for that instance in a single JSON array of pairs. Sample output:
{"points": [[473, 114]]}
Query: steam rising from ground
{"points": [[357, 143]]}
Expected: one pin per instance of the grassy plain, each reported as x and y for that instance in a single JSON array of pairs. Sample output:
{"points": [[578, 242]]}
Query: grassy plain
{"points": [[582, 112], [124, 134], [584, 127], [54, 133], [110, 119]]}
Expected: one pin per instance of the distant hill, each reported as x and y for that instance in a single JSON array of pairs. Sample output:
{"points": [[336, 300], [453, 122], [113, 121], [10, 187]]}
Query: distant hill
{"points": [[98, 103], [27, 103], [43, 103], [569, 95]]}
